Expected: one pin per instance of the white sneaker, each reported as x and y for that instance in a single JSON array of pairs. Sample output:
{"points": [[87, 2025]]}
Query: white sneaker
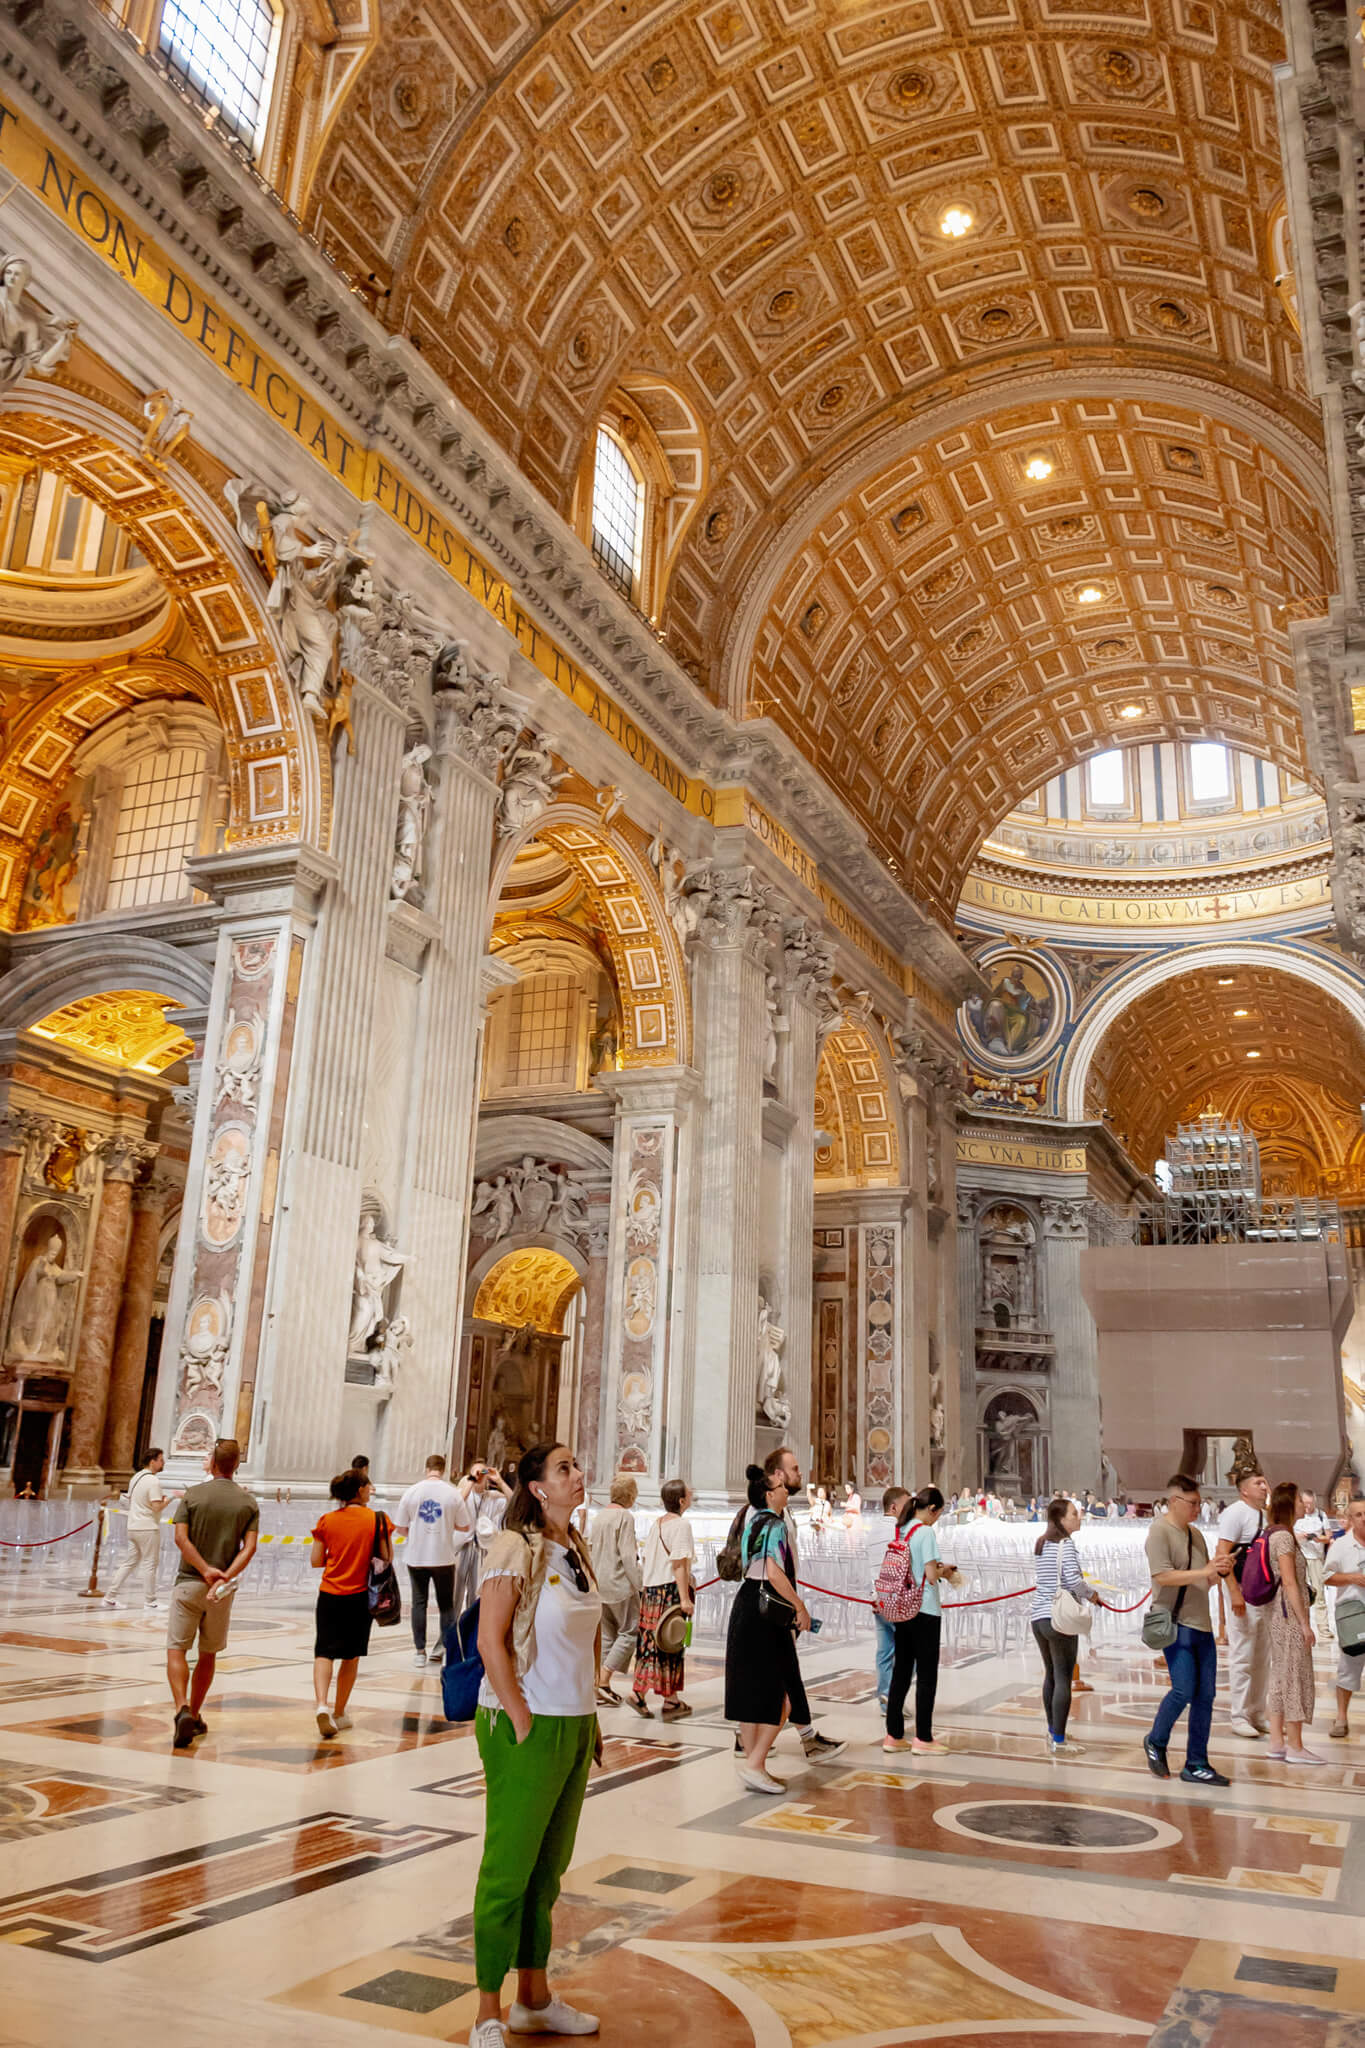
{"points": [[327, 1727], [487, 2034], [554, 2018], [151, 1607], [109, 1601], [340, 1721], [758, 1781], [1303, 1756], [1246, 1729], [419, 1663]]}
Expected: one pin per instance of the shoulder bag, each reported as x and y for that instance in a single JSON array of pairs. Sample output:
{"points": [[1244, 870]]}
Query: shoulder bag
{"points": [[462, 1672], [1160, 1624], [730, 1557], [1071, 1616], [386, 1602]]}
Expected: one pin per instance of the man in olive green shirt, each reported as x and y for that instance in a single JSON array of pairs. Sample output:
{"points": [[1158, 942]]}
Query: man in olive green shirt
{"points": [[1181, 1572]]}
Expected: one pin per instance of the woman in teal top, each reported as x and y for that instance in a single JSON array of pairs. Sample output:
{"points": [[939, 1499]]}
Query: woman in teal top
{"points": [[760, 1647], [917, 1640]]}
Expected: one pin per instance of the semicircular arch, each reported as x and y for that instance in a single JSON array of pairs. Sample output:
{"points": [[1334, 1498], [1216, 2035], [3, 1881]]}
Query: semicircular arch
{"points": [[276, 773], [1300, 963], [87, 963], [651, 976]]}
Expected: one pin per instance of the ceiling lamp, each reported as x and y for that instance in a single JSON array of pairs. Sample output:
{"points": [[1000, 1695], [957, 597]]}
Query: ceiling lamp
{"points": [[1038, 469], [1130, 711], [1089, 593], [1241, 1013], [955, 223], [1253, 1055], [1225, 980]]}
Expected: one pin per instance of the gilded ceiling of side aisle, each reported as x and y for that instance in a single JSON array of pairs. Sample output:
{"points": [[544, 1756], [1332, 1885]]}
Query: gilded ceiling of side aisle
{"points": [[745, 199], [1253, 1041]]}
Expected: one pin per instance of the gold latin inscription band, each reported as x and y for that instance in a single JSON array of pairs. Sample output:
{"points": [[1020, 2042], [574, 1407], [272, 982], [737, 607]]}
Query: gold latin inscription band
{"points": [[1148, 915], [1027, 1152]]}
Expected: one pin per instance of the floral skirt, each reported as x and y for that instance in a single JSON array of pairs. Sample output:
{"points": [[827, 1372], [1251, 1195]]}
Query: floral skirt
{"points": [[654, 1672]]}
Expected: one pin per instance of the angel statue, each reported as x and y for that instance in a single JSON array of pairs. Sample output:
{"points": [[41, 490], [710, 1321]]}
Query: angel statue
{"points": [[30, 343], [773, 1405], [496, 1201], [529, 783], [377, 1266], [309, 576]]}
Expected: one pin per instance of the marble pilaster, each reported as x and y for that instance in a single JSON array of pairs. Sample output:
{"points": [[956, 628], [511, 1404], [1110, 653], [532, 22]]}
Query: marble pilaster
{"points": [[1075, 1400], [13, 1150], [588, 1429], [796, 1304], [645, 1275], [102, 1299], [732, 1021], [134, 1327]]}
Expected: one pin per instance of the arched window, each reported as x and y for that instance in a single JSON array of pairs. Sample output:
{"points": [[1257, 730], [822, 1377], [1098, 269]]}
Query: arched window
{"points": [[1105, 786], [223, 50], [539, 1036], [618, 514], [151, 786]]}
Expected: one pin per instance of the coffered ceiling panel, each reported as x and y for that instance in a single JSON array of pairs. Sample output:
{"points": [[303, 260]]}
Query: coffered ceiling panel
{"points": [[829, 225]]}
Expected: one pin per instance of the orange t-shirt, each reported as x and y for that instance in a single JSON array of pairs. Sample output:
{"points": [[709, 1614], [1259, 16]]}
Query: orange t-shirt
{"points": [[347, 1538]]}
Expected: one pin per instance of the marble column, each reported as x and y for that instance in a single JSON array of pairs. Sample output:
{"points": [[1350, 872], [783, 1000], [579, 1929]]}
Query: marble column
{"points": [[795, 1309], [102, 1300], [968, 1311], [589, 1420], [732, 1021], [1075, 1398], [943, 1214], [134, 1327]]}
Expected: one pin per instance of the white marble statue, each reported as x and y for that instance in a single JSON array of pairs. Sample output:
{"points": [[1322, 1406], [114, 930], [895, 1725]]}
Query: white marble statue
{"points": [[496, 1453], [773, 1405], [414, 815], [168, 422], [528, 788], [494, 1200], [568, 1210], [1004, 1446], [377, 1266], [37, 1324], [309, 576], [31, 343], [770, 1000], [397, 1340]]}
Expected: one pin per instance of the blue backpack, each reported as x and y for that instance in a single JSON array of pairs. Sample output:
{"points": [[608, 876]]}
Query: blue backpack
{"points": [[462, 1672]]}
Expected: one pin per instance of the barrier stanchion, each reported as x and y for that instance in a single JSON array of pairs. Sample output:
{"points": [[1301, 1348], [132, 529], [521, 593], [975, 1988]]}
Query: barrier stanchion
{"points": [[92, 1591]]}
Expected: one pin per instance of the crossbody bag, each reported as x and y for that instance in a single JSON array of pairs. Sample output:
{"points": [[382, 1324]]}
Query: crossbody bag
{"points": [[1160, 1626]]}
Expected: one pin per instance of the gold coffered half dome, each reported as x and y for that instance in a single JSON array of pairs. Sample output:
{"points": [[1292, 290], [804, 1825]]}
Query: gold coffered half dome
{"points": [[126, 1028]]}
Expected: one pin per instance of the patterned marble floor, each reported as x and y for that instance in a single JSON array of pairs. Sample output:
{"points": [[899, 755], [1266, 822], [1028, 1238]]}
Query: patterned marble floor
{"points": [[271, 1883]]}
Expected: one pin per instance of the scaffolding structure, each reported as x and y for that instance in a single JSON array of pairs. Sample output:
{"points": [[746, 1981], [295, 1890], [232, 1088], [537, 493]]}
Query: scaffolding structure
{"points": [[1213, 1194]]}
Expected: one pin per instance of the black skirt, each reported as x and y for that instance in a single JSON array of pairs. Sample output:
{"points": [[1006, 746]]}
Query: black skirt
{"points": [[760, 1662], [343, 1625]]}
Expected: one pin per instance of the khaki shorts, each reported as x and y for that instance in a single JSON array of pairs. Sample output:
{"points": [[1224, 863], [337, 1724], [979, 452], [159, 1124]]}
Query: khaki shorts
{"points": [[194, 1614]]}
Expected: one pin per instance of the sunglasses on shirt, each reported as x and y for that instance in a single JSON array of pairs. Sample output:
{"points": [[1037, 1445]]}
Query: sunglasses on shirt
{"points": [[573, 1564]]}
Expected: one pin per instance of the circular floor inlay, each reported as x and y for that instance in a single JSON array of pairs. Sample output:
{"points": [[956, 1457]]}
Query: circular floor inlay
{"points": [[1047, 1825]]}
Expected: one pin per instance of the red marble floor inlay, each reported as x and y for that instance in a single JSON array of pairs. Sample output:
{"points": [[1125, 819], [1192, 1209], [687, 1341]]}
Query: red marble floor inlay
{"points": [[248, 1728]]}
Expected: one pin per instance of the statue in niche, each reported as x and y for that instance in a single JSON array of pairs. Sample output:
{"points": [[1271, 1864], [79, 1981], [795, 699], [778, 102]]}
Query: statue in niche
{"points": [[397, 1340], [496, 1454], [377, 1266], [773, 1405], [770, 1027], [938, 1414], [31, 344], [406, 883], [1003, 1445], [38, 1320]]}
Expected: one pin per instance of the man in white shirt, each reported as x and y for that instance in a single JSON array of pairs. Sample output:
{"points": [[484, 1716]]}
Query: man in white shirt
{"points": [[1314, 1532], [146, 1499], [436, 1520], [1240, 1523], [1344, 1568]]}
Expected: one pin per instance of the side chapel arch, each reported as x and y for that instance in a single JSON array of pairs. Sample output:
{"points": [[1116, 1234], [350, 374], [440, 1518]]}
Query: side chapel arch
{"points": [[651, 974], [857, 1106], [275, 776]]}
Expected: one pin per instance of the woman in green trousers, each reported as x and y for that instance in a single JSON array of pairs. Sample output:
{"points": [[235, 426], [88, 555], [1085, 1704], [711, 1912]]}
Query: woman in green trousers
{"points": [[539, 1638]]}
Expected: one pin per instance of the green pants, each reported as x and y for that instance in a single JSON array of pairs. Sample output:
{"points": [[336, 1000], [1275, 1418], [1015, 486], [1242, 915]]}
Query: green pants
{"points": [[535, 1795]]}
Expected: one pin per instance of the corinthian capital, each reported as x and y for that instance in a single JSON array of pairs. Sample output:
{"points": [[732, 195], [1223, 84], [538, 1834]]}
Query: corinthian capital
{"points": [[393, 645], [1065, 1219], [125, 1157], [474, 717]]}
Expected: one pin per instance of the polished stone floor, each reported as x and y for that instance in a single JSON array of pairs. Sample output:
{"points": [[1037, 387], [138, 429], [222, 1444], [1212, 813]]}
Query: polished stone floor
{"points": [[270, 1886]]}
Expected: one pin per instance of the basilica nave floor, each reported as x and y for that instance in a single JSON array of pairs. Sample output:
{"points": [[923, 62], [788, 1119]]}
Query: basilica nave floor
{"points": [[272, 1886]]}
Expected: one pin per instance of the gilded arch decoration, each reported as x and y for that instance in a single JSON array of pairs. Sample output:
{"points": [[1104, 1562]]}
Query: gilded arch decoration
{"points": [[856, 1108], [272, 766], [650, 971]]}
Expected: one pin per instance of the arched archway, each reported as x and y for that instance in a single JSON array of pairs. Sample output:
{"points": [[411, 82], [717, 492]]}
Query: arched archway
{"points": [[88, 964], [856, 1112], [1301, 963], [649, 970], [275, 772]]}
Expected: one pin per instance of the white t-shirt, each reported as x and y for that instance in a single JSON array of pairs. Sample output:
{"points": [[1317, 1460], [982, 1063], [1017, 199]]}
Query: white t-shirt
{"points": [[562, 1680], [146, 1488], [437, 1521], [667, 1542], [1346, 1554], [1240, 1522], [1308, 1528]]}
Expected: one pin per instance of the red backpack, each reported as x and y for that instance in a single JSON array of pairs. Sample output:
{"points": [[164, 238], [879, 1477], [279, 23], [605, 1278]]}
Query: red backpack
{"points": [[897, 1595], [1259, 1577]]}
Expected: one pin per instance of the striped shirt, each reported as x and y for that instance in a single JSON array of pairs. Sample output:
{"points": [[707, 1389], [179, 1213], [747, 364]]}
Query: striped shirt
{"points": [[1054, 1559]]}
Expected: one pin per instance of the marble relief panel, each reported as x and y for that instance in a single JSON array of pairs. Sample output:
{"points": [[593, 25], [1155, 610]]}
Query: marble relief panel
{"points": [[641, 1331], [878, 1286], [234, 1120]]}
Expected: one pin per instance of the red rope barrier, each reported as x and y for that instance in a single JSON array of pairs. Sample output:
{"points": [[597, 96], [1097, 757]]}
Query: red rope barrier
{"points": [[41, 1542], [856, 1600]]}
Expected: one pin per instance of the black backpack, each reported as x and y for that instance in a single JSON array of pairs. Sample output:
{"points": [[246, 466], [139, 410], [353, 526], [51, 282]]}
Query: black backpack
{"points": [[730, 1556]]}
